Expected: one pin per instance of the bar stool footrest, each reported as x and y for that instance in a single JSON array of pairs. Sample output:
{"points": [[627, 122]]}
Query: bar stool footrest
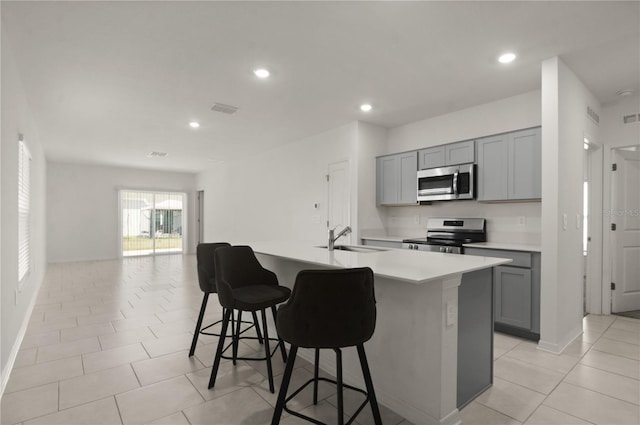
{"points": [[332, 381], [251, 359]]}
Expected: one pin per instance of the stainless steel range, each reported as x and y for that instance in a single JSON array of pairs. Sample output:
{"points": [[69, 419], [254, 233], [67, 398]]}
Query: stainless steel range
{"points": [[449, 234]]}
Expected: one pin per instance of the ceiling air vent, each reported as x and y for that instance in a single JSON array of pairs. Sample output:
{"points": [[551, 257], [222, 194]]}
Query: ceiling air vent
{"points": [[593, 115], [225, 109], [629, 119], [155, 154]]}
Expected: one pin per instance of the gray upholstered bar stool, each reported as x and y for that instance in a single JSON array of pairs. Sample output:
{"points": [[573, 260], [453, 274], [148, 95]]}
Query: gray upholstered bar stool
{"points": [[329, 309], [207, 281], [244, 285]]}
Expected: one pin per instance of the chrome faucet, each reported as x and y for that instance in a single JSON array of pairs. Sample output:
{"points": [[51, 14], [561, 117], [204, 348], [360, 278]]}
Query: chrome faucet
{"points": [[333, 239]]}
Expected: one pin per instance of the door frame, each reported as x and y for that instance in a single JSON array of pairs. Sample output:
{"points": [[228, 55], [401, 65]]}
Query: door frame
{"points": [[594, 264], [200, 216], [607, 219], [611, 218]]}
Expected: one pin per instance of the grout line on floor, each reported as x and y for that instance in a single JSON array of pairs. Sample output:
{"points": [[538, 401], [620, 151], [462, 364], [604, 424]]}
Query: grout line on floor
{"points": [[118, 407]]}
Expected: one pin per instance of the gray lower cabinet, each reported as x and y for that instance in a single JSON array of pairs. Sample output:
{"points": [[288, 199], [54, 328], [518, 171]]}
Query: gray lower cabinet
{"points": [[509, 166], [396, 181], [516, 291], [513, 296]]}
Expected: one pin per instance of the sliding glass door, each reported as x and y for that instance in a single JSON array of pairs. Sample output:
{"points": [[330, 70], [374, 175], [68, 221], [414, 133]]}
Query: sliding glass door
{"points": [[152, 222]]}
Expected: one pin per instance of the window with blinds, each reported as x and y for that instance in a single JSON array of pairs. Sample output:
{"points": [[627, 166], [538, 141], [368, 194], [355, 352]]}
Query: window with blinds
{"points": [[24, 211]]}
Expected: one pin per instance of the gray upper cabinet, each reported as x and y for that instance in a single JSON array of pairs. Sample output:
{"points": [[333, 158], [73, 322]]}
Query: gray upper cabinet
{"points": [[525, 164], [431, 157], [451, 154], [509, 166], [396, 180]]}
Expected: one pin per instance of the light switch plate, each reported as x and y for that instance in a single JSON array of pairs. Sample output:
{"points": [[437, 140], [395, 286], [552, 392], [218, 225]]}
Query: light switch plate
{"points": [[452, 314]]}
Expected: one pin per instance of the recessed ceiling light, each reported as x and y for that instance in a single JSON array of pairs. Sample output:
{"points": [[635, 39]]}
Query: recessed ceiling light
{"points": [[507, 58], [194, 124], [365, 107], [625, 92], [261, 72]]}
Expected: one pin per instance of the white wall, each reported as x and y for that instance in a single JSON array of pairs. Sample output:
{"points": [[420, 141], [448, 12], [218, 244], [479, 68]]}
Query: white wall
{"points": [[372, 142], [16, 118], [271, 195], [564, 126], [82, 207], [513, 113]]}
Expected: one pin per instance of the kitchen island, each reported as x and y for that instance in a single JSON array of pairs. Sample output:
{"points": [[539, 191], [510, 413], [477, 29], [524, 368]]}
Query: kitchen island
{"points": [[428, 327]]}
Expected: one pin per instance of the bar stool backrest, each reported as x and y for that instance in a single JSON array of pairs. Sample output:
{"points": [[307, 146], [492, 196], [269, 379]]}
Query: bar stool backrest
{"points": [[206, 265], [237, 267], [329, 309]]}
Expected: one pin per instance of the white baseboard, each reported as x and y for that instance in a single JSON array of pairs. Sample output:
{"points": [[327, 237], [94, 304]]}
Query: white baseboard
{"points": [[558, 348], [6, 372]]}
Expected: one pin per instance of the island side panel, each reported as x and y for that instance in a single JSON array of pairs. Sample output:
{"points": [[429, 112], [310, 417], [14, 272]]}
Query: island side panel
{"points": [[413, 352], [475, 335]]}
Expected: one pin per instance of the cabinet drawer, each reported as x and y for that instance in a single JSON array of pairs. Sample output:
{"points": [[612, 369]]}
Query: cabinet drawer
{"points": [[518, 258]]}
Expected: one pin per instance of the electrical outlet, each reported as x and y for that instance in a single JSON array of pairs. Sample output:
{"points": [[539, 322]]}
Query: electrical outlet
{"points": [[522, 220]]}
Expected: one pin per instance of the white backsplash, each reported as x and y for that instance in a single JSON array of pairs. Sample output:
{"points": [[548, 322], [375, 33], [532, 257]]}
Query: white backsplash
{"points": [[506, 222]]}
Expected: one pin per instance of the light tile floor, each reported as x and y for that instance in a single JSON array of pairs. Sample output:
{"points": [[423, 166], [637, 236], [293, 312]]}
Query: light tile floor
{"points": [[107, 344]]}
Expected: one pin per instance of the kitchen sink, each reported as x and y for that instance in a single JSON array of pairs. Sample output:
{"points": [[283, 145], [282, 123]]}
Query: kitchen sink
{"points": [[352, 248]]}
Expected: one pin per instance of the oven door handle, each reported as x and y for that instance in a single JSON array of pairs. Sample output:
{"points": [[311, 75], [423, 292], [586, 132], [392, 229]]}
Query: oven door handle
{"points": [[455, 182]]}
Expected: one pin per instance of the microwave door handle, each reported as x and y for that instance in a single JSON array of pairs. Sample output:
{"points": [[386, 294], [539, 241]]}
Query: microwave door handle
{"points": [[455, 183]]}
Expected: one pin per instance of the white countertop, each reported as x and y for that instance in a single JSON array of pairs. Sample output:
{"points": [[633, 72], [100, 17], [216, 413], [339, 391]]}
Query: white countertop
{"points": [[407, 265], [505, 245]]}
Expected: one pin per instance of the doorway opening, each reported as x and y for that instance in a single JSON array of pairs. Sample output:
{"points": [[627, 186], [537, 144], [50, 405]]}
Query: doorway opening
{"points": [[200, 217], [152, 222], [339, 191], [592, 227]]}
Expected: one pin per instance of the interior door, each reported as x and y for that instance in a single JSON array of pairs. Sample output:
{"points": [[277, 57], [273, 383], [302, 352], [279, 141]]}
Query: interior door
{"points": [[338, 214], [626, 237]]}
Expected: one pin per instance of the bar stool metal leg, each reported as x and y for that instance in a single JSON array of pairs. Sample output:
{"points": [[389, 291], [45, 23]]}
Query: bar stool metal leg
{"points": [[284, 386], [340, 388], [223, 334], [369, 383], [255, 323], [236, 337], [282, 349], [266, 350], [199, 324], [315, 376]]}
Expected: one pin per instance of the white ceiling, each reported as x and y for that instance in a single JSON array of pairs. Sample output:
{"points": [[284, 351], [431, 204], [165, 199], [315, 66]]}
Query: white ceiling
{"points": [[108, 82]]}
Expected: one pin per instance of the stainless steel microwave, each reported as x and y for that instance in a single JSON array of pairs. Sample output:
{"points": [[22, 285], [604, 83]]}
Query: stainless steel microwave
{"points": [[447, 183]]}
